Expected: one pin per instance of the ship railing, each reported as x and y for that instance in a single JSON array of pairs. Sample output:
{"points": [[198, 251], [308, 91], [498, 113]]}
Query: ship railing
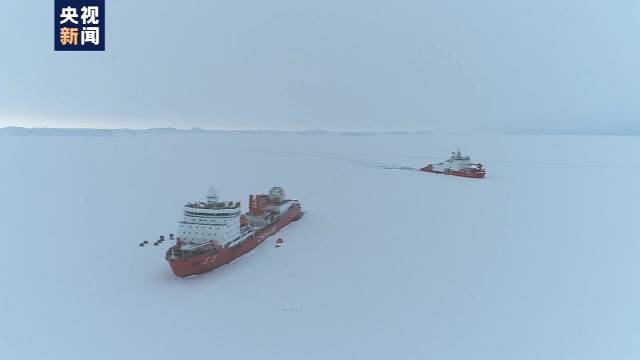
{"points": [[245, 229], [177, 254], [214, 206], [238, 241], [210, 245]]}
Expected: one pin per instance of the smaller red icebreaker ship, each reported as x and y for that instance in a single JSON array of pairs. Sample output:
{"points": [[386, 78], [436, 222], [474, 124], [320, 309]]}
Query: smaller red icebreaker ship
{"points": [[457, 165], [214, 232]]}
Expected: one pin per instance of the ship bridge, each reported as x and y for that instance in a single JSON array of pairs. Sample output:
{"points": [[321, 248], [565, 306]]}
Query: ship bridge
{"points": [[213, 220]]}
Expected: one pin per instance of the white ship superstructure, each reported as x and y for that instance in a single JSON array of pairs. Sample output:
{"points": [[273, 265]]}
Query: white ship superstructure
{"points": [[457, 162], [212, 221], [458, 165]]}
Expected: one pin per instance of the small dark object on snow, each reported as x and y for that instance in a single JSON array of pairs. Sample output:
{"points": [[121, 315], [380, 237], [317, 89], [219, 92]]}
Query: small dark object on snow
{"points": [[277, 245], [155, 244], [141, 244], [145, 242], [279, 241], [170, 236]]}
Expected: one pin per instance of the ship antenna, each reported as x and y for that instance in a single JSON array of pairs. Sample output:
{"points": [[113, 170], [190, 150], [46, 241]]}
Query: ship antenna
{"points": [[212, 197]]}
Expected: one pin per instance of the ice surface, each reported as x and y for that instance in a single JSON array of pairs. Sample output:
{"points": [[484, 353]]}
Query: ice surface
{"points": [[537, 261]]}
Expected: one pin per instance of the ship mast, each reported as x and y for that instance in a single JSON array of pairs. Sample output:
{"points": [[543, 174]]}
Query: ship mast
{"points": [[212, 196]]}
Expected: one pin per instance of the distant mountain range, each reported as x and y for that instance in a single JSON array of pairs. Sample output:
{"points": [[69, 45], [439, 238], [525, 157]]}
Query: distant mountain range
{"points": [[21, 131]]}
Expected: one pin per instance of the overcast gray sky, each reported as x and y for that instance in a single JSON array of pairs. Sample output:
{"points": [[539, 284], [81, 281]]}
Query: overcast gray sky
{"points": [[492, 65]]}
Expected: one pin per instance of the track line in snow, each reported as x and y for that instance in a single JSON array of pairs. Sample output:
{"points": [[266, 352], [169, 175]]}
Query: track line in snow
{"points": [[378, 165], [359, 162], [542, 163], [397, 167]]}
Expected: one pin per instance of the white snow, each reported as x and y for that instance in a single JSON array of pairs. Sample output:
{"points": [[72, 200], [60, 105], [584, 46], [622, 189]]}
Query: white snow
{"points": [[537, 261]]}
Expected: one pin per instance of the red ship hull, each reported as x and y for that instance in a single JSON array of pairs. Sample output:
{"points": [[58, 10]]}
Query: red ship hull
{"points": [[475, 174], [208, 261]]}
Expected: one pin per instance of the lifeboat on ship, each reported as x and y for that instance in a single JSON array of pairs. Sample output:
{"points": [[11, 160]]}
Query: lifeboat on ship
{"points": [[457, 165]]}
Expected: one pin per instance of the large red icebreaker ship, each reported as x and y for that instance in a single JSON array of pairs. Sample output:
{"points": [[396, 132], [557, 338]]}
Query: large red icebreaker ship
{"points": [[214, 232], [457, 165]]}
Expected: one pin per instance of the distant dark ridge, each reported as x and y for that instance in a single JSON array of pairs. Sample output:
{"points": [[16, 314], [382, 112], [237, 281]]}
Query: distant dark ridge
{"points": [[21, 131], [13, 130], [63, 131]]}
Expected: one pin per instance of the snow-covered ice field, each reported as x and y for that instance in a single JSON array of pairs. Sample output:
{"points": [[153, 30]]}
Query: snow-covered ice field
{"points": [[540, 260]]}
